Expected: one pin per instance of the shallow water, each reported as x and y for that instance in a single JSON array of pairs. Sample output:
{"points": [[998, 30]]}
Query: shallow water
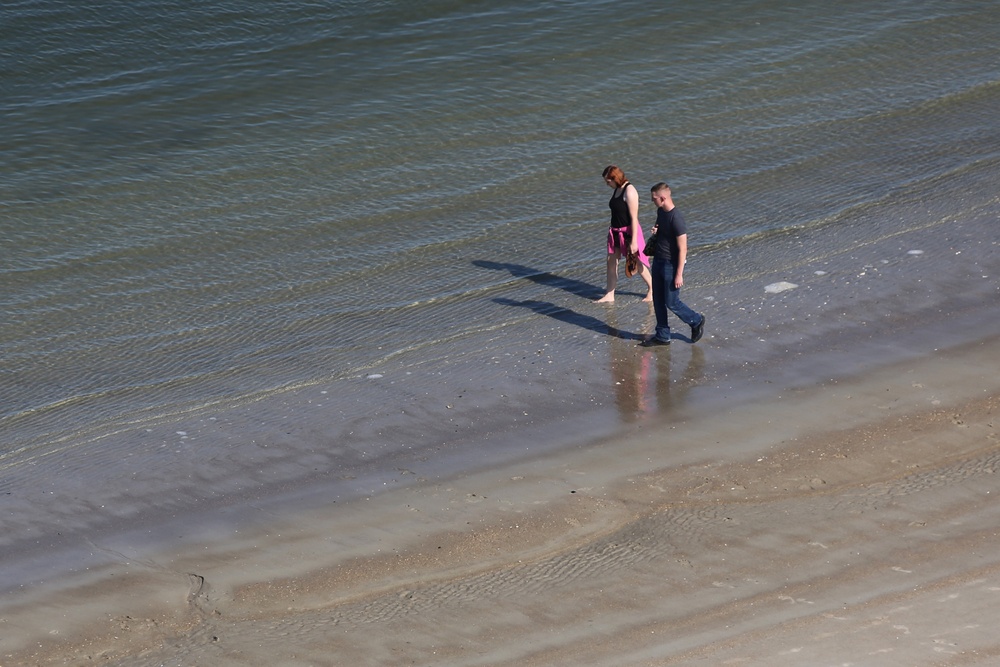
{"points": [[241, 245]]}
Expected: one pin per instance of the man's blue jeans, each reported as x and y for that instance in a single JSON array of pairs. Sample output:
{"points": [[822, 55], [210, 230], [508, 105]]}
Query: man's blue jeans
{"points": [[667, 297]]}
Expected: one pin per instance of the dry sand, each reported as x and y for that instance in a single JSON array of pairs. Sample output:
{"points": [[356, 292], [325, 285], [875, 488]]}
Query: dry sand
{"points": [[852, 523]]}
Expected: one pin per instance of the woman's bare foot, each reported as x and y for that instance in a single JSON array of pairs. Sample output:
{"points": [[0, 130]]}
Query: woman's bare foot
{"points": [[649, 297], [608, 298]]}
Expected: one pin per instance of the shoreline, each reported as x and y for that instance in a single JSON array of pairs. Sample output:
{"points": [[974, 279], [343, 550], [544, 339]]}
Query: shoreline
{"points": [[404, 558], [463, 536]]}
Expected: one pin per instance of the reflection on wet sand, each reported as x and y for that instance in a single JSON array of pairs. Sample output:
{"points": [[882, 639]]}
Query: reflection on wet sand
{"points": [[641, 377]]}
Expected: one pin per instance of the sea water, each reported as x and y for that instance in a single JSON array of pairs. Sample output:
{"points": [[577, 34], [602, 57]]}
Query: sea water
{"points": [[223, 223]]}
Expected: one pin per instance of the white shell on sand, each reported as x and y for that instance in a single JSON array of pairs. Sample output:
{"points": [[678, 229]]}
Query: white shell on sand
{"points": [[915, 252], [774, 288]]}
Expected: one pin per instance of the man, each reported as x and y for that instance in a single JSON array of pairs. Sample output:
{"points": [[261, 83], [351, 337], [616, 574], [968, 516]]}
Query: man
{"points": [[669, 256]]}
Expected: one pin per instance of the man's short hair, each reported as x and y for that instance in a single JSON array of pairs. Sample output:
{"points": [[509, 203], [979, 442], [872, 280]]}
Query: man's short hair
{"points": [[659, 186]]}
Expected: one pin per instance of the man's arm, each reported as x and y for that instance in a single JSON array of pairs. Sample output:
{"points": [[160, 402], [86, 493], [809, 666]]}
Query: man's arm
{"points": [[682, 253]]}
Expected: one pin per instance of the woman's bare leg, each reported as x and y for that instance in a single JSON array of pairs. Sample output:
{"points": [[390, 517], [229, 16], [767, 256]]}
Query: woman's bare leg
{"points": [[647, 278], [609, 294]]}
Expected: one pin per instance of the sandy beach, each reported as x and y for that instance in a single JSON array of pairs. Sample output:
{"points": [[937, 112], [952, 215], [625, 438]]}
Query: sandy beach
{"points": [[824, 500], [860, 529], [302, 361]]}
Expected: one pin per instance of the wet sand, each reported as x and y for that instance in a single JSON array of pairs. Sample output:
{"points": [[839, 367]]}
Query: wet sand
{"points": [[859, 528], [830, 502]]}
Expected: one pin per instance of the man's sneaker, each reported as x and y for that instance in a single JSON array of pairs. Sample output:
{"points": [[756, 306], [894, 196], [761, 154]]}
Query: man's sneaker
{"points": [[654, 342], [697, 330]]}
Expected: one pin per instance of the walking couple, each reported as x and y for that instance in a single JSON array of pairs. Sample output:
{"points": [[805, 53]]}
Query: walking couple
{"points": [[664, 276]]}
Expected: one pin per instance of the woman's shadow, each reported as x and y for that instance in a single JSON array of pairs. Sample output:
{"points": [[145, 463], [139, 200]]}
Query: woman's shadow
{"points": [[571, 285]]}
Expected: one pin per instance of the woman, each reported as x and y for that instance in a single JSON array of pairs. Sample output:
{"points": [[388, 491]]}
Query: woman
{"points": [[624, 234]]}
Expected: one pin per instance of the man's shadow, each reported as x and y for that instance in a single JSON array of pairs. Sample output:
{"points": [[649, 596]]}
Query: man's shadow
{"points": [[571, 285], [570, 317]]}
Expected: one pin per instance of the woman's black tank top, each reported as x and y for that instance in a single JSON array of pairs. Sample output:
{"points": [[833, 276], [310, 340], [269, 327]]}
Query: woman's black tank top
{"points": [[620, 217]]}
